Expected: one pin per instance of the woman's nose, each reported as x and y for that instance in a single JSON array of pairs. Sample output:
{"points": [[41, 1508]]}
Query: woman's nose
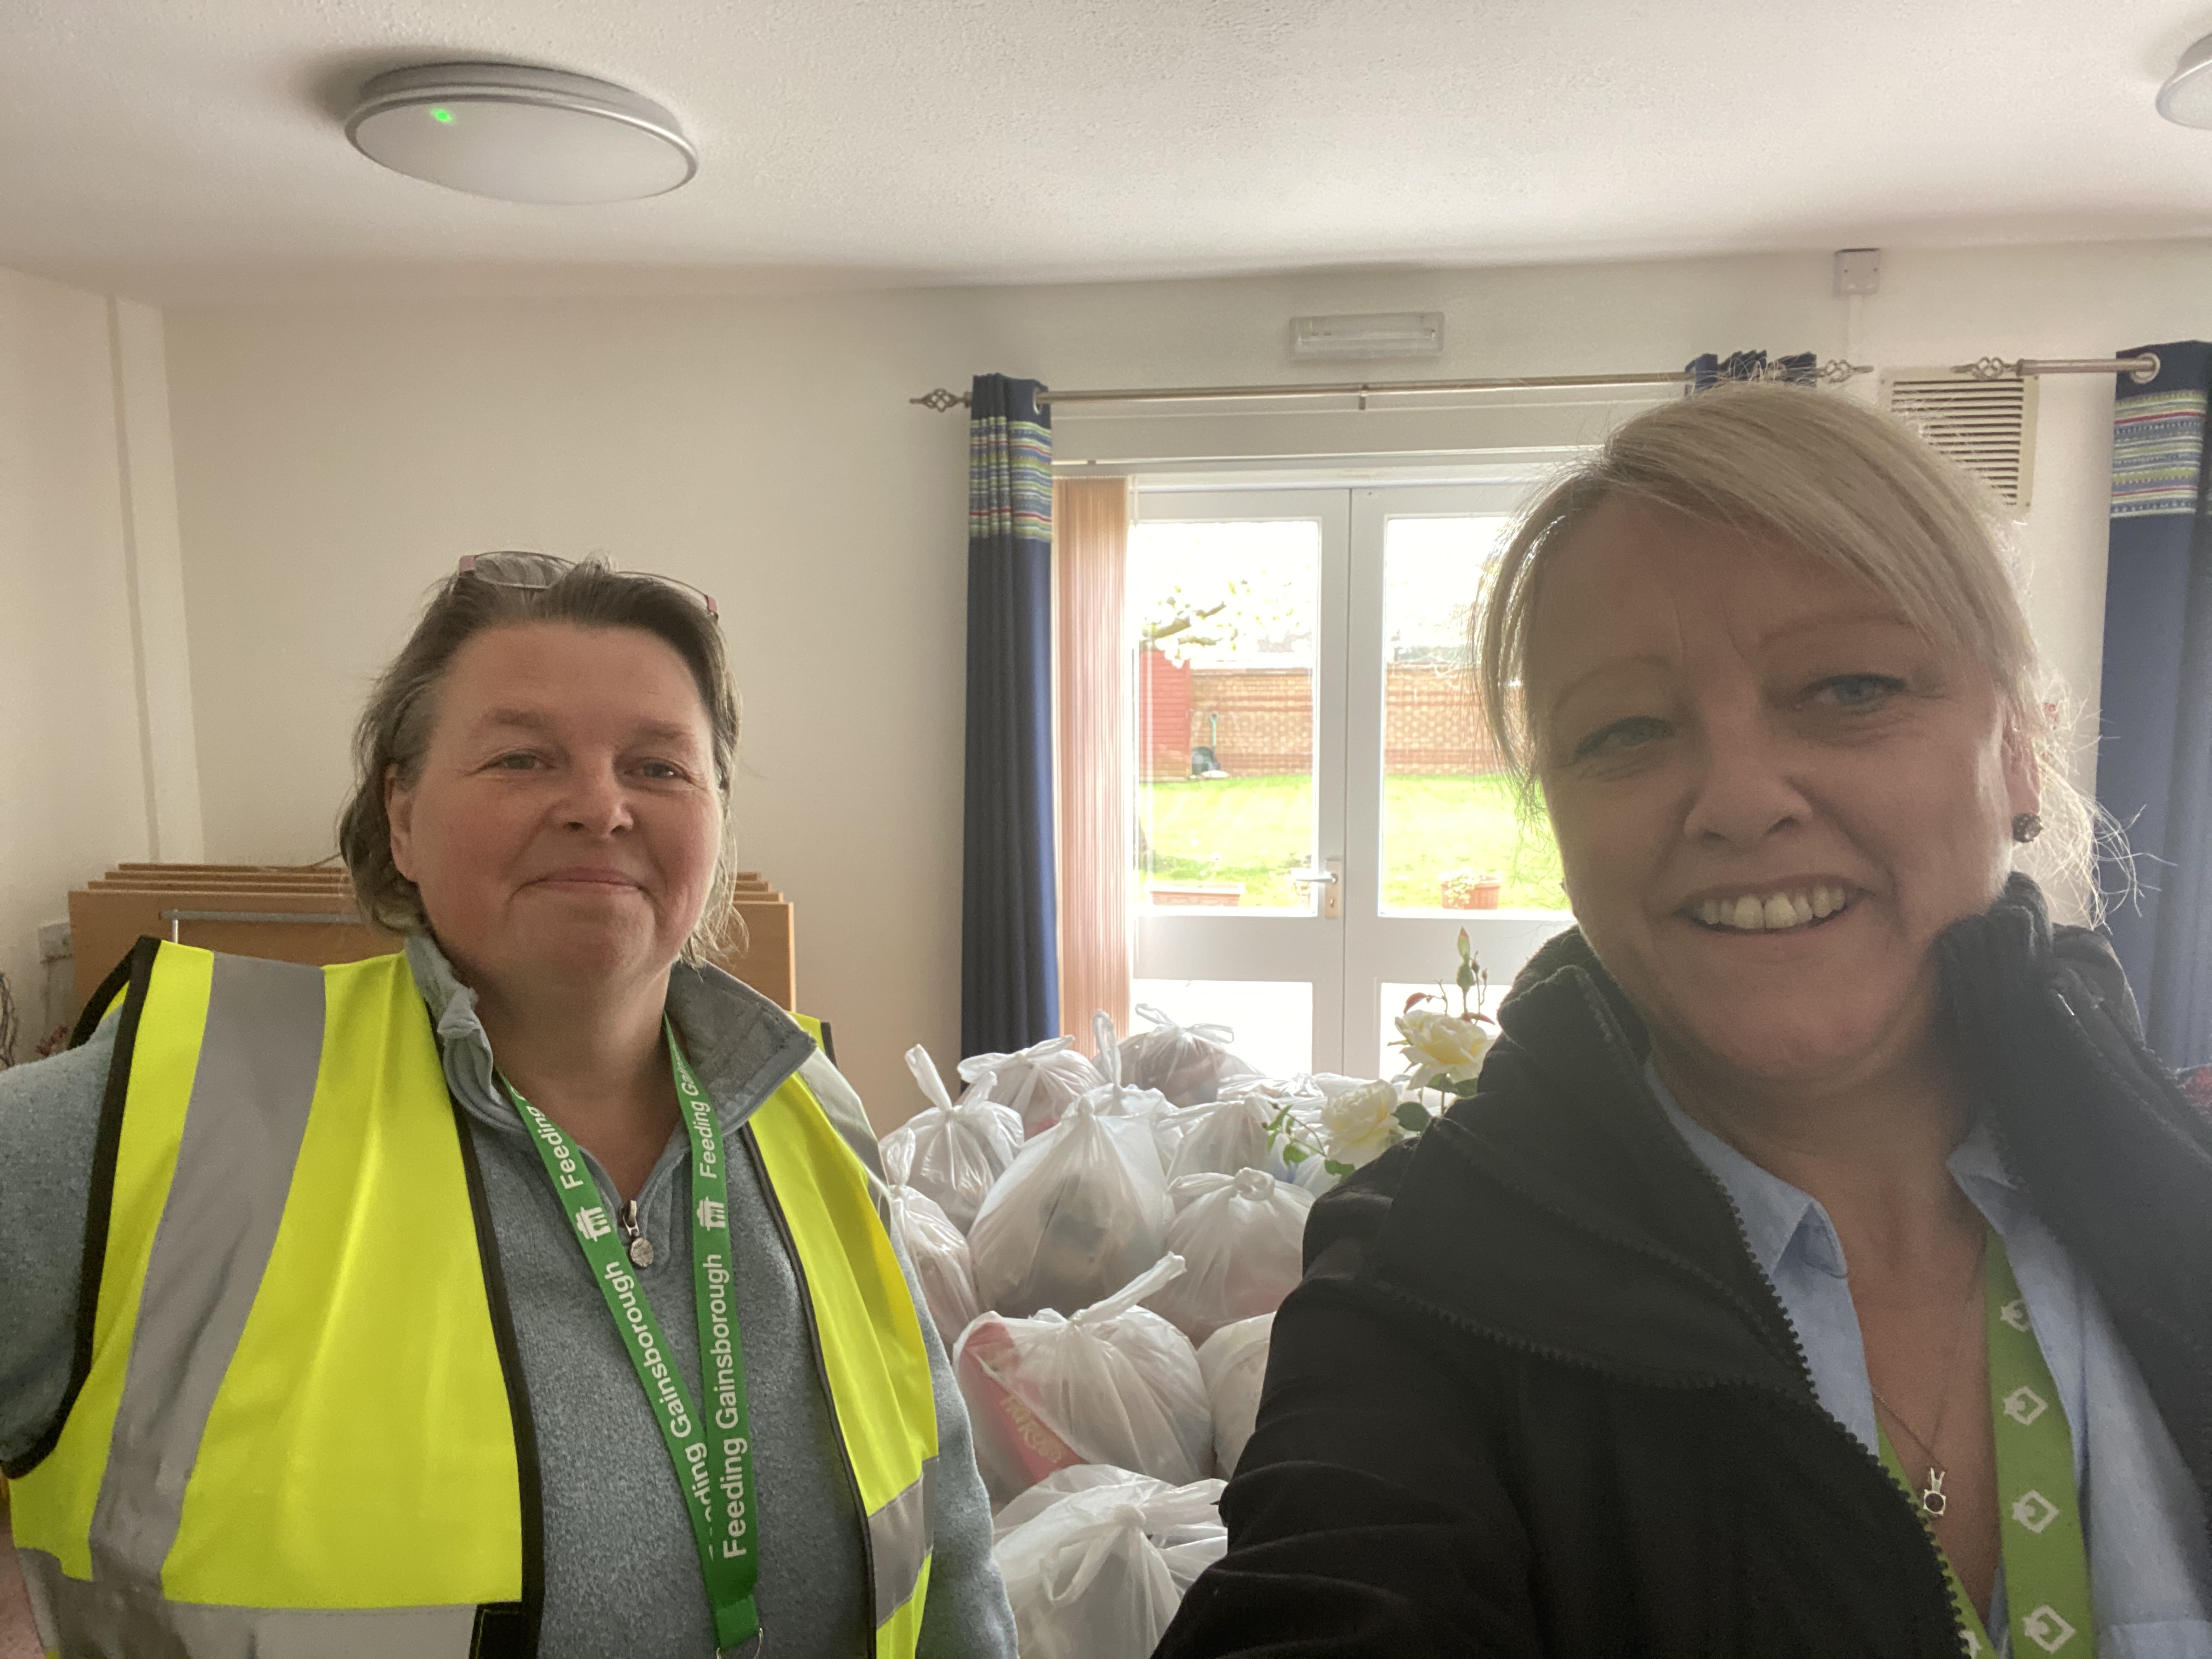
{"points": [[597, 802], [1743, 791]]}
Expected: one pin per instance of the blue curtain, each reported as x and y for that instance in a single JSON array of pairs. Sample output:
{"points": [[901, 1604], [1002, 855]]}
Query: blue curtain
{"points": [[2155, 749], [1801, 369], [1009, 925]]}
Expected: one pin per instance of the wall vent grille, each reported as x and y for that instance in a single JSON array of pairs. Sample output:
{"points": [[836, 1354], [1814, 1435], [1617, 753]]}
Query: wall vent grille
{"points": [[1988, 426]]}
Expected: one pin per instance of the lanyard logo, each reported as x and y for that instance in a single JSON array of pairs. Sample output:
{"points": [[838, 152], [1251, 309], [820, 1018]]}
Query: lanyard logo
{"points": [[713, 1213], [593, 1223]]}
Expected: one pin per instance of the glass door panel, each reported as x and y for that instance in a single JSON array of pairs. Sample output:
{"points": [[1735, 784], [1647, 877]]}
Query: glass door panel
{"points": [[1457, 832], [1225, 616], [1236, 623], [1439, 835]]}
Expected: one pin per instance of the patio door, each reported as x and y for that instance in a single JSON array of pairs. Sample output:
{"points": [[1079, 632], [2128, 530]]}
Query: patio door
{"points": [[1314, 797]]}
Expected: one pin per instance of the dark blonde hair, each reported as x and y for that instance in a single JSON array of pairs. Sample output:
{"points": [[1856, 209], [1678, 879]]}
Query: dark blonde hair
{"points": [[394, 733], [1854, 488]]}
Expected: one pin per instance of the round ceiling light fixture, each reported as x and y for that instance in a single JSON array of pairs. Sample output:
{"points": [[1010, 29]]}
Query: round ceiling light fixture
{"points": [[2186, 97], [521, 134]]}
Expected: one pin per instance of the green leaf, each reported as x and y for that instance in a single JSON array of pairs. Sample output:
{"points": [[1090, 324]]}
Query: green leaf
{"points": [[1412, 1116], [1336, 1168], [1295, 1153], [1464, 1088]]}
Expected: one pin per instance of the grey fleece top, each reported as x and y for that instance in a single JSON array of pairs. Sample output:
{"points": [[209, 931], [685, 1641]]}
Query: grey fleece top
{"points": [[621, 1572]]}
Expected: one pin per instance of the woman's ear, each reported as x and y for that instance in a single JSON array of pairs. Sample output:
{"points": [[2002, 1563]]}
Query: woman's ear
{"points": [[399, 813]]}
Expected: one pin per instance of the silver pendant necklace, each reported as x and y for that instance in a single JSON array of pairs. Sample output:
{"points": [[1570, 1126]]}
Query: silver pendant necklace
{"points": [[1933, 1503]]}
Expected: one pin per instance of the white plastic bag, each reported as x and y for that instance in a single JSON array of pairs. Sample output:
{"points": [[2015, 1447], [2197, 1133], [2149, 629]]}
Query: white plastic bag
{"points": [[1243, 1238], [1220, 1137], [1188, 1064], [1116, 1384], [939, 1256], [953, 1153], [1039, 1082], [1118, 1097], [1098, 1567], [1082, 1209], [1234, 1362]]}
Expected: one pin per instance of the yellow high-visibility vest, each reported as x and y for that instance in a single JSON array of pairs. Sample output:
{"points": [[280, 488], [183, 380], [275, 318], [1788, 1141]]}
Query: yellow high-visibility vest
{"points": [[294, 1424]]}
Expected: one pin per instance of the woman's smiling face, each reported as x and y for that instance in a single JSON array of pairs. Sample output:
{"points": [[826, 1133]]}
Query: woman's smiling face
{"points": [[1770, 792]]}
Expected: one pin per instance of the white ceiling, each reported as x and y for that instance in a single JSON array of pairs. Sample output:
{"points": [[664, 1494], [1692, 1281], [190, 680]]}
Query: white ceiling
{"points": [[189, 150]]}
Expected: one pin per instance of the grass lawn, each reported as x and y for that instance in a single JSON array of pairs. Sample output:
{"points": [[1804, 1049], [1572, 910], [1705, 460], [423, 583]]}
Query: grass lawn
{"points": [[1256, 829]]}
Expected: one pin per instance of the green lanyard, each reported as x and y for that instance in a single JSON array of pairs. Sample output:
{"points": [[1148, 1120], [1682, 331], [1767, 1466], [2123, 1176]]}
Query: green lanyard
{"points": [[716, 1474], [2046, 1566]]}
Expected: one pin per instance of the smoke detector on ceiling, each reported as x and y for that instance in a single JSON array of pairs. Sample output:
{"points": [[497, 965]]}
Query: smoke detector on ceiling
{"points": [[2186, 97], [519, 134]]}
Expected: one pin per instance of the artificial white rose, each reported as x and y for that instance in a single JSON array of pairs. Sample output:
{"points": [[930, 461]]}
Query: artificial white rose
{"points": [[1443, 1048], [1359, 1126]]}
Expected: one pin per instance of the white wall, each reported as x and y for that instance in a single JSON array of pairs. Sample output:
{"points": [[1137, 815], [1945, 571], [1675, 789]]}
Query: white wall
{"points": [[88, 575], [335, 460]]}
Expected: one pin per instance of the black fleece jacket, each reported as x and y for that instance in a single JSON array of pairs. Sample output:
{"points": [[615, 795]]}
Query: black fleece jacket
{"points": [[1535, 1397]]}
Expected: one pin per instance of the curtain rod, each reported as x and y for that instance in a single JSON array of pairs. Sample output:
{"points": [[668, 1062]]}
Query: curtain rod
{"points": [[2141, 368]]}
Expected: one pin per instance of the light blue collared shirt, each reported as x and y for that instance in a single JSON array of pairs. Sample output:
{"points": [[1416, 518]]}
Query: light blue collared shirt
{"points": [[2150, 1565]]}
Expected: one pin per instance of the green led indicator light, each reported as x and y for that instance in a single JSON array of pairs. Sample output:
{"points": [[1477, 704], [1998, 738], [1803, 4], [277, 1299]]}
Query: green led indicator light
{"points": [[441, 115]]}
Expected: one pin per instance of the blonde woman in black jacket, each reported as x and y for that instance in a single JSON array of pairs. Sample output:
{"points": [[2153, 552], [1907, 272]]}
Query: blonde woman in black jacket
{"points": [[1823, 1266]]}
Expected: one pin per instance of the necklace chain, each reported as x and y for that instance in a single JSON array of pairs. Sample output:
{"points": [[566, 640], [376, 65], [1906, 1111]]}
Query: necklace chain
{"points": [[1932, 1499]]}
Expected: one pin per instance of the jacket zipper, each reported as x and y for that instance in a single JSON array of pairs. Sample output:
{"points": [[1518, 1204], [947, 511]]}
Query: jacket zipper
{"points": [[822, 1376], [1616, 1046]]}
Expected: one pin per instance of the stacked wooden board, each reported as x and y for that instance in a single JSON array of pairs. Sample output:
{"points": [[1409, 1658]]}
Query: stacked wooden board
{"points": [[307, 913]]}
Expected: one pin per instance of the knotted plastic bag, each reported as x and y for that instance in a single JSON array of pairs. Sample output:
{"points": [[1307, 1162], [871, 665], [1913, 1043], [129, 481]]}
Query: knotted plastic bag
{"points": [[1241, 1237], [939, 1256], [1220, 1137], [953, 1153], [1083, 1210], [1115, 1384], [1117, 1096], [1234, 1362], [1188, 1064], [1097, 1560], [1039, 1082]]}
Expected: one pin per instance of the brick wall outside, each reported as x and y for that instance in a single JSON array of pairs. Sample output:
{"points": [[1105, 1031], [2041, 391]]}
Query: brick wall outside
{"points": [[1266, 724], [1435, 727]]}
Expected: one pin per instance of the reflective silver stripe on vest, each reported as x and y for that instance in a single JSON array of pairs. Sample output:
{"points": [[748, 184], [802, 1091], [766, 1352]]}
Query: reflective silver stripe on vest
{"points": [[243, 1126], [126, 1621], [899, 1535]]}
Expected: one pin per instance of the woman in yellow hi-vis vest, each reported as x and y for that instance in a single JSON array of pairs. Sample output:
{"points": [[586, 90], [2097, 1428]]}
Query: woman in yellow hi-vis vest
{"points": [[525, 1293]]}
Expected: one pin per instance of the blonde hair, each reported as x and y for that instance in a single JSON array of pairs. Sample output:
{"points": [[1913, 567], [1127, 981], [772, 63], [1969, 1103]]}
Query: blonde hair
{"points": [[1853, 488]]}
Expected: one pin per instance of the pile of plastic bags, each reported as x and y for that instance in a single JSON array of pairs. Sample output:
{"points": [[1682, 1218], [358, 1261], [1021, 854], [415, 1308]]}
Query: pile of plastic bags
{"points": [[955, 1154], [1102, 1244], [1097, 1560]]}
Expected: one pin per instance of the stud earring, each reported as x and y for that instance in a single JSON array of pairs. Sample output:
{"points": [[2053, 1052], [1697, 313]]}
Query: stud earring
{"points": [[2026, 827]]}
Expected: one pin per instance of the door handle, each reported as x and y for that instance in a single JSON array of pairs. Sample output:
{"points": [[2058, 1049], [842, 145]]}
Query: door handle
{"points": [[1330, 880]]}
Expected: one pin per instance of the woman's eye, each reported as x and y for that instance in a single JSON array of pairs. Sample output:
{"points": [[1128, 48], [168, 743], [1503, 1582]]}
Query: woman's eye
{"points": [[1859, 690], [1621, 735], [664, 771], [518, 763]]}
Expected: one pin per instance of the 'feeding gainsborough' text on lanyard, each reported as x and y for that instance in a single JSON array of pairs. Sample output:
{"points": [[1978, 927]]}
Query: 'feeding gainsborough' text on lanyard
{"points": [[712, 1452], [2046, 1566]]}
